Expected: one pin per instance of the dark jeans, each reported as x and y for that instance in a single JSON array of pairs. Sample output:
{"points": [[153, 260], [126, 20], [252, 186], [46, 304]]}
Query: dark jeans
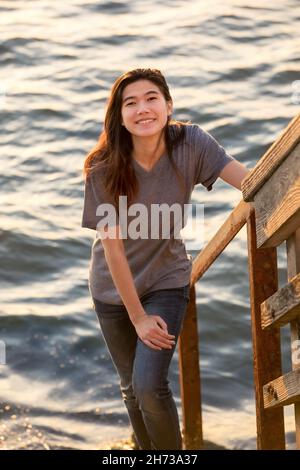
{"points": [[142, 370]]}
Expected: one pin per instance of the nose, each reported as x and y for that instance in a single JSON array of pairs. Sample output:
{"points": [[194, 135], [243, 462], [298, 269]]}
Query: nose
{"points": [[142, 107]]}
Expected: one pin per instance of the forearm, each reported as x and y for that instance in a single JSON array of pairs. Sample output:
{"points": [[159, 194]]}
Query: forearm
{"points": [[234, 173], [123, 280]]}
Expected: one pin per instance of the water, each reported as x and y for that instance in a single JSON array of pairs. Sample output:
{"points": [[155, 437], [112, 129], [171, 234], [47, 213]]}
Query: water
{"points": [[230, 69]]}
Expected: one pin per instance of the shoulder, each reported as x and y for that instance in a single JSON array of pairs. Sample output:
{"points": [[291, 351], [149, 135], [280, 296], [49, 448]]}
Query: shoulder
{"points": [[191, 133], [95, 180], [194, 132], [96, 174]]}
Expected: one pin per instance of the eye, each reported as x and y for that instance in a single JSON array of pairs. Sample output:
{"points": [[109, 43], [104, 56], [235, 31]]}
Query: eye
{"points": [[153, 98], [131, 102]]}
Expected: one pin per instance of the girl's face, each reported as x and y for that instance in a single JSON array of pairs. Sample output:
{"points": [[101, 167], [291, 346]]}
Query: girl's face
{"points": [[144, 108]]}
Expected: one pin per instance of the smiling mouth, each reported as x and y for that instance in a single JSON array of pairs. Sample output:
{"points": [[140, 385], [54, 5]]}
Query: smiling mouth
{"points": [[145, 121]]}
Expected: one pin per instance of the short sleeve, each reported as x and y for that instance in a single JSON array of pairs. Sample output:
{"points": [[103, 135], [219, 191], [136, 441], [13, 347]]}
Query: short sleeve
{"points": [[98, 204], [210, 157]]}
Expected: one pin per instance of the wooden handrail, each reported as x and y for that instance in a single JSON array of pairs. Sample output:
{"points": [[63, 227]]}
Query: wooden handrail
{"points": [[273, 158], [232, 225], [273, 217], [190, 386]]}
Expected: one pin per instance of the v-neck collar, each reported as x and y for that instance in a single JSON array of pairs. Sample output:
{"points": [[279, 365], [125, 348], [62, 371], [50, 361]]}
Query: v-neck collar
{"points": [[153, 170]]}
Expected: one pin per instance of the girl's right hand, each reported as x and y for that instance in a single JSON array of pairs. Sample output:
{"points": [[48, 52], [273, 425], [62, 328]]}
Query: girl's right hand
{"points": [[153, 331]]}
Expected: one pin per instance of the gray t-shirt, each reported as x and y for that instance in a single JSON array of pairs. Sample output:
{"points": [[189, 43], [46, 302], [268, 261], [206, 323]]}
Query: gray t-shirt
{"points": [[160, 263]]}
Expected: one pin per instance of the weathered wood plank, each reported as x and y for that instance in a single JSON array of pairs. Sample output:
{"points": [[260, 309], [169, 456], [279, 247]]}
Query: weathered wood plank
{"points": [[293, 268], [283, 306], [282, 391], [189, 374], [220, 240], [277, 203], [272, 159], [263, 279]]}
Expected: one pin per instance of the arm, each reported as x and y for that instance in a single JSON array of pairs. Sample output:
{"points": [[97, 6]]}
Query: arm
{"points": [[234, 173], [119, 269], [151, 329]]}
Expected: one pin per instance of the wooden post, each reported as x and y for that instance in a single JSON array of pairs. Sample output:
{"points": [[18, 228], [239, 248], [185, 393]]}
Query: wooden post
{"points": [[189, 371], [263, 280], [293, 268]]}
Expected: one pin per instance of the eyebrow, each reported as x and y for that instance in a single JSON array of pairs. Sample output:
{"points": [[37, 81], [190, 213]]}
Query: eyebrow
{"points": [[147, 93]]}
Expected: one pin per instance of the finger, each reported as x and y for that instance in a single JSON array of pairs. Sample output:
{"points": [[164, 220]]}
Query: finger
{"points": [[162, 334], [162, 339], [164, 326], [161, 344], [152, 346]]}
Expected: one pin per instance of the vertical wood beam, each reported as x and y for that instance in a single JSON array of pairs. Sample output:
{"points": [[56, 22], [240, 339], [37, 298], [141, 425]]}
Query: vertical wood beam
{"points": [[263, 279], [293, 268], [189, 373]]}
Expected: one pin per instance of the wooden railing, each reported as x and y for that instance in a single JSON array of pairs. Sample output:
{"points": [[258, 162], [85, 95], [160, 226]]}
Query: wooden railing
{"points": [[271, 210]]}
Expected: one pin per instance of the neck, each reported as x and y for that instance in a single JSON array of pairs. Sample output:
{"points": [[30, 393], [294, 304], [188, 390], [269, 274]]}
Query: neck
{"points": [[148, 149]]}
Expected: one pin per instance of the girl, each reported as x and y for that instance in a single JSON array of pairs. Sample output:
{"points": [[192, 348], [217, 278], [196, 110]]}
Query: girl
{"points": [[139, 279]]}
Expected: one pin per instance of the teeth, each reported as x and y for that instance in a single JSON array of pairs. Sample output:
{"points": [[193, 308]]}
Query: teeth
{"points": [[145, 121]]}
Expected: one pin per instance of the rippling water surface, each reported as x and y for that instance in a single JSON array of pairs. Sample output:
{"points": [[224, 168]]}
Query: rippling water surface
{"points": [[230, 69]]}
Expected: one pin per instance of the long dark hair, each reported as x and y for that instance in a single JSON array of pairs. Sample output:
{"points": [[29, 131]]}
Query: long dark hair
{"points": [[114, 147]]}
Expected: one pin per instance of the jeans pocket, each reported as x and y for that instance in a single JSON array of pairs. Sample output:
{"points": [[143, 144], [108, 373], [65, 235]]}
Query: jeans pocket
{"points": [[172, 295]]}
